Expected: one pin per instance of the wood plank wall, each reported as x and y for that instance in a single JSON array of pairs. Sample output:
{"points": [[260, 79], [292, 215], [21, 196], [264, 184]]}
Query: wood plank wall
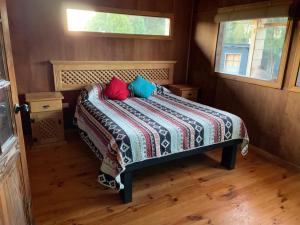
{"points": [[272, 116], [38, 36]]}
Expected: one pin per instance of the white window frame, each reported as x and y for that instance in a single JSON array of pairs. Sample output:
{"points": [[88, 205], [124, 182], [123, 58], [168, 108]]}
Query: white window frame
{"points": [[233, 61]]}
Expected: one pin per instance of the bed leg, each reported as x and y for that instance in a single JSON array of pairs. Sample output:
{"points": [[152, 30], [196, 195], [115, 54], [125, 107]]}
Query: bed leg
{"points": [[229, 156], [126, 193]]}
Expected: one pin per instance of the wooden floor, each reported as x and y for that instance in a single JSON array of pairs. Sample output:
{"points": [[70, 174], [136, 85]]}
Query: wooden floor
{"points": [[190, 191]]}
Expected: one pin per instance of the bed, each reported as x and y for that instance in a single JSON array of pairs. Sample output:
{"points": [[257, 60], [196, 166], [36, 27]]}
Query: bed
{"points": [[136, 133]]}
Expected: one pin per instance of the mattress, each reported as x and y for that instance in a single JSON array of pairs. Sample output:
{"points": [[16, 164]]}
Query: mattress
{"points": [[137, 129]]}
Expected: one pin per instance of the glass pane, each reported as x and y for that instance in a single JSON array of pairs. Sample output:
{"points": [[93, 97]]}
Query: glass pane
{"points": [[6, 129], [298, 79], [234, 44], [105, 22], [256, 46], [269, 43]]}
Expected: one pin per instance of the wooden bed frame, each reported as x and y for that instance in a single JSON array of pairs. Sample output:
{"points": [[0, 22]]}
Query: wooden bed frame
{"points": [[74, 75], [228, 161]]}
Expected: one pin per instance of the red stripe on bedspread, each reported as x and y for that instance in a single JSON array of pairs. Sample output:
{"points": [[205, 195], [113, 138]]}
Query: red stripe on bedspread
{"points": [[147, 135], [112, 153], [216, 122], [183, 128], [86, 117]]}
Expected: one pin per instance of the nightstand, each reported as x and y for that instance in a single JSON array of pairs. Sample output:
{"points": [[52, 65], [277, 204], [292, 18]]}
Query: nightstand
{"points": [[46, 118], [185, 91]]}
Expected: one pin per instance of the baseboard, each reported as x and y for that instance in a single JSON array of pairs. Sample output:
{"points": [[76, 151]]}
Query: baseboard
{"points": [[276, 159]]}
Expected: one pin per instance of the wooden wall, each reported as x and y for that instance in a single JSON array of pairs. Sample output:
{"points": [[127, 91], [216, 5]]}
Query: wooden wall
{"points": [[38, 36], [272, 116]]}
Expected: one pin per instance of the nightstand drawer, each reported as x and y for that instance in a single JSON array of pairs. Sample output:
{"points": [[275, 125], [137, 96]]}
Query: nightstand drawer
{"points": [[45, 106], [189, 94]]}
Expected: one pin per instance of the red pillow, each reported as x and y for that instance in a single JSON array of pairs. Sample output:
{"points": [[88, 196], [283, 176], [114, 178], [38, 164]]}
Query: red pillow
{"points": [[117, 89]]}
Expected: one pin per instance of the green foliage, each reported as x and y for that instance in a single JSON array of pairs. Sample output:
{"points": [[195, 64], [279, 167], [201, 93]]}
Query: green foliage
{"points": [[237, 32], [273, 44], [126, 24]]}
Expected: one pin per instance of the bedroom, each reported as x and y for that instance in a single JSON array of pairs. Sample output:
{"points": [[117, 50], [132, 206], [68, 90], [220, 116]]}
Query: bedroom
{"points": [[149, 112]]}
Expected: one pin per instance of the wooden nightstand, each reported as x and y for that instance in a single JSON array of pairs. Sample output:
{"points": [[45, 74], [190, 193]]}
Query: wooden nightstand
{"points": [[185, 91], [46, 117]]}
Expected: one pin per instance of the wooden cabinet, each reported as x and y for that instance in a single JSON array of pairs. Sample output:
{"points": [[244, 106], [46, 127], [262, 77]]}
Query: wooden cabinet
{"points": [[46, 117], [185, 91]]}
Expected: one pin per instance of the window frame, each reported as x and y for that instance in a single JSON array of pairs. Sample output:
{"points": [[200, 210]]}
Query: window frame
{"points": [[119, 11], [225, 60], [281, 72], [295, 62]]}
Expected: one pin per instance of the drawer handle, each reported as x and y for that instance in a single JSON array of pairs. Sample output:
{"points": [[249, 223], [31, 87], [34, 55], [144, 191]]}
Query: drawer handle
{"points": [[190, 94], [46, 106]]}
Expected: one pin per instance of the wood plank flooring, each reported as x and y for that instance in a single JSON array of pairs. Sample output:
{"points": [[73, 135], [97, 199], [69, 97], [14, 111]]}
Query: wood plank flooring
{"points": [[190, 191]]}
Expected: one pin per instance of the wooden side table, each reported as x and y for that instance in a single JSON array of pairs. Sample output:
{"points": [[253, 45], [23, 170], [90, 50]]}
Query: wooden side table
{"points": [[185, 91], [46, 117]]}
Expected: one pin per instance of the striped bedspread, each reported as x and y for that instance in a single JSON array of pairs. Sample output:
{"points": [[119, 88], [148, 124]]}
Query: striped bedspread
{"points": [[124, 132]]}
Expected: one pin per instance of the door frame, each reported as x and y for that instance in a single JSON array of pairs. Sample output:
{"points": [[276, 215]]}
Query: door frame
{"points": [[15, 100]]}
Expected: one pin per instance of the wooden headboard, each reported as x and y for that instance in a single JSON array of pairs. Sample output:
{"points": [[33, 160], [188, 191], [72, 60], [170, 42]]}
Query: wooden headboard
{"points": [[74, 75]]}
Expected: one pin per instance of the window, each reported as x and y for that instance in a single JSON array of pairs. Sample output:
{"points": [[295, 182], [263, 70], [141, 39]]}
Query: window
{"points": [[119, 23], [260, 32], [257, 45], [232, 63]]}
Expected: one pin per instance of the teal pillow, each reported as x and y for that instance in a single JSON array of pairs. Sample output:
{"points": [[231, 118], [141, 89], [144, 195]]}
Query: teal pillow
{"points": [[141, 87]]}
